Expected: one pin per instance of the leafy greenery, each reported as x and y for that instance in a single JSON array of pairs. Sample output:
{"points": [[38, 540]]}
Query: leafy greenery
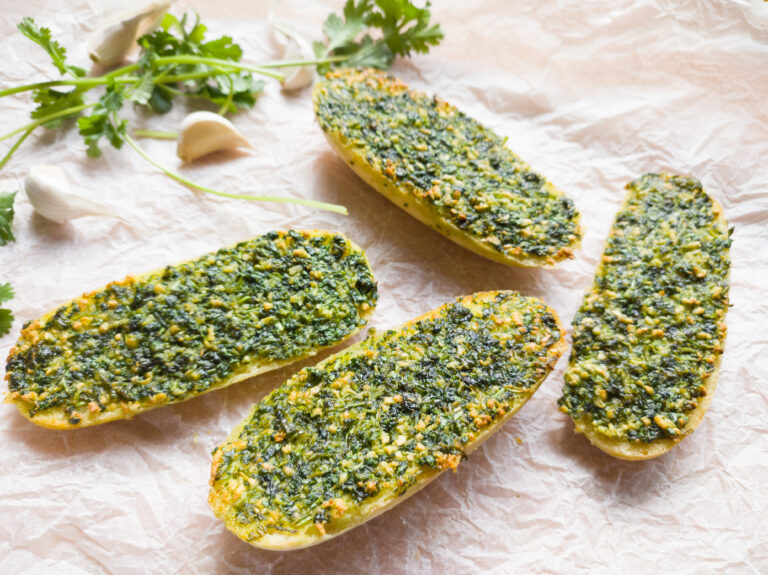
{"points": [[100, 125], [160, 77], [57, 52], [6, 317], [403, 28], [6, 218], [178, 60], [231, 92]]}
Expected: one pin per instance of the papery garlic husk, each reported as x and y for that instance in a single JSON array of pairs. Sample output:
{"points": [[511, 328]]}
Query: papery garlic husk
{"points": [[47, 188], [111, 43], [203, 133], [296, 48]]}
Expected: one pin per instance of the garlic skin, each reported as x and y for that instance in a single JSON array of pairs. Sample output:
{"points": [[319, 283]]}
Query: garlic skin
{"points": [[203, 133], [296, 48], [48, 191], [111, 43]]}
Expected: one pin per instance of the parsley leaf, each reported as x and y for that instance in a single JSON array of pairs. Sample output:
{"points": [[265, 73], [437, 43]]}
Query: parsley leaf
{"points": [[370, 55], [222, 48], [6, 317], [50, 101], [101, 123], [232, 90], [342, 32], [6, 292], [142, 92], [6, 219], [403, 28], [57, 52]]}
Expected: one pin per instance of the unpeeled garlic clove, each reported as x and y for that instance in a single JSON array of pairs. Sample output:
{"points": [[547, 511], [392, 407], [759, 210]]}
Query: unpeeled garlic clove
{"points": [[48, 191], [296, 48], [111, 43], [203, 133]]}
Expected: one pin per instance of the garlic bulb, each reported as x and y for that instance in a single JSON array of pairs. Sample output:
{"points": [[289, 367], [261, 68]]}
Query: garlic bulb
{"points": [[111, 43], [48, 191], [296, 48], [205, 132]]}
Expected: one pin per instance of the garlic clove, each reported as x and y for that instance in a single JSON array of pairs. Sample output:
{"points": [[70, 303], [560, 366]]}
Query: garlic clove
{"points": [[202, 133], [296, 48], [48, 191], [111, 43]]}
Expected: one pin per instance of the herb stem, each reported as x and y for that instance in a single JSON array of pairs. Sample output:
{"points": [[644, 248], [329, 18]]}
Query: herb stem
{"points": [[88, 83], [295, 63], [225, 107], [122, 75], [48, 118], [182, 180], [124, 71], [192, 76], [190, 59], [15, 147], [156, 134]]}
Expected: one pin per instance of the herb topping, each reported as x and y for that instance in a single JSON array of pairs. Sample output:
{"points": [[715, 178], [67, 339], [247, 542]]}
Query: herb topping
{"points": [[373, 420], [176, 333], [446, 160], [650, 331]]}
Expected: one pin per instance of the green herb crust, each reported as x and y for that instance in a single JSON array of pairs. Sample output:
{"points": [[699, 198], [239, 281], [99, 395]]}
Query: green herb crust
{"points": [[649, 334], [342, 441], [184, 330], [445, 169]]}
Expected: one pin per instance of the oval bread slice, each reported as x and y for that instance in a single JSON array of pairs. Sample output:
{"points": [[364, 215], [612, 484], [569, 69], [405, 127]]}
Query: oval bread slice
{"points": [[172, 334], [445, 169], [343, 441], [649, 335]]}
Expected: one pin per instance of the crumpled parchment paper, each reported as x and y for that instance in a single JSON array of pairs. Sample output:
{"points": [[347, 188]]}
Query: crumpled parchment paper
{"points": [[592, 94]]}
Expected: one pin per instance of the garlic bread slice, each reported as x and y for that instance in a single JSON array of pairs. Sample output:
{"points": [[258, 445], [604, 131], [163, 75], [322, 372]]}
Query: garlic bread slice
{"points": [[172, 334], [445, 169], [649, 335], [343, 441]]}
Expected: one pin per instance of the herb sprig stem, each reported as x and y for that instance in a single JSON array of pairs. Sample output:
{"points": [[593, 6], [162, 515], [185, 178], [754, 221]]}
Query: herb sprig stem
{"points": [[156, 134], [15, 146], [123, 75], [189, 183], [54, 116]]}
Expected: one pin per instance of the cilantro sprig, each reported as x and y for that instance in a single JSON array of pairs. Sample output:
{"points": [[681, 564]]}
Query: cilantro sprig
{"points": [[403, 28], [6, 316], [57, 52], [179, 61]]}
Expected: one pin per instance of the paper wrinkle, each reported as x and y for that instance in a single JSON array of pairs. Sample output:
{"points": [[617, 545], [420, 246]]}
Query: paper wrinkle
{"points": [[591, 94]]}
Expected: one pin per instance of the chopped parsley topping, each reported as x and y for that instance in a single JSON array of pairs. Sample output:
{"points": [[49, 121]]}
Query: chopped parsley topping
{"points": [[175, 333], [372, 420], [651, 329], [462, 171]]}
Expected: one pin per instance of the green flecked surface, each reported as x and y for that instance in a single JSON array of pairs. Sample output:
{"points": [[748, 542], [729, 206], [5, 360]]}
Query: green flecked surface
{"points": [[650, 331], [179, 331], [449, 162], [370, 421]]}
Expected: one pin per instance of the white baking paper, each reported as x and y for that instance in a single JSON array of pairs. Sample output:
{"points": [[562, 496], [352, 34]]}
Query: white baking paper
{"points": [[591, 93]]}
